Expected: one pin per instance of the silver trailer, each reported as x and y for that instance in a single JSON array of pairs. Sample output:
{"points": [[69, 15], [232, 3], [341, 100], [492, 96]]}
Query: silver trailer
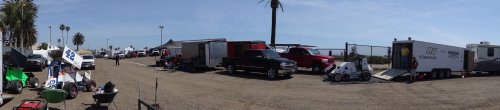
{"points": [[434, 60], [203, 53], [486, 57]]}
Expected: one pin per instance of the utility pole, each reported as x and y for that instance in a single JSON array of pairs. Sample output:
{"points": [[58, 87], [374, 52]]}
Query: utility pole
{"points": [[107, 43]]}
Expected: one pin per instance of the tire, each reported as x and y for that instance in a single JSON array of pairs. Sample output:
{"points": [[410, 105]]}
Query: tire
{"points": [[271, 73], [441, 74], [16, 87], [317, 69], [336, 77], [366, 76], [90, 85], [289, 75], [72, 90], [433, 75], [230, 69], [33, 82], [447, 74]]}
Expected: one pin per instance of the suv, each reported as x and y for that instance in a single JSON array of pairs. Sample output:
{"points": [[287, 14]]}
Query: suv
{"points": [[36, 61], [266, 61], [155, 53], [88, 62], [141, 53], [309, 58]]}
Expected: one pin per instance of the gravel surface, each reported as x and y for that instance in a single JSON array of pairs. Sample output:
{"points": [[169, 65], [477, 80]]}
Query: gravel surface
{"points": [[304, 91]]}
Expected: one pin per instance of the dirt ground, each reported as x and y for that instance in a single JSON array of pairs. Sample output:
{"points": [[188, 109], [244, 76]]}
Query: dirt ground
{"points": [[305, 91]]}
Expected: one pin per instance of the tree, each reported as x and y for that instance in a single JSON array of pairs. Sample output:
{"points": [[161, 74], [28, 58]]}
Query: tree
{"points": [[275, 4], [18, 22], [67, 31], [78, 40], [43, 46], [62, 27]]}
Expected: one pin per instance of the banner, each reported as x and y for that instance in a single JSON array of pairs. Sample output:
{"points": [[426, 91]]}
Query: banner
{"points": [[72, 57]]}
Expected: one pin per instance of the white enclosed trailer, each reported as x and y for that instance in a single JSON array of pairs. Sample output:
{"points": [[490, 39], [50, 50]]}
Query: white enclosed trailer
{"points": [[434, 60], [486, 57]]}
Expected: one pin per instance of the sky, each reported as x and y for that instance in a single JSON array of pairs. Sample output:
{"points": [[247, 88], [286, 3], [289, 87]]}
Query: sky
{"points": [[323, 23]]}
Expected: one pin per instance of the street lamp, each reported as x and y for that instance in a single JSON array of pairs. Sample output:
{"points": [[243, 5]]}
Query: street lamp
{"points": [[107, 44], [161, 34], [50, 34]]}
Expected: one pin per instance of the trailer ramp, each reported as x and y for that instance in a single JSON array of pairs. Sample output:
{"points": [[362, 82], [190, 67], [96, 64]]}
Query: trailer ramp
{"points": [[390, 74]]}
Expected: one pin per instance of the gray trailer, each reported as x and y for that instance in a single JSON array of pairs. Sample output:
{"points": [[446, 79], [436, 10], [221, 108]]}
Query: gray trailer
{"points": [[203, 53], [486, 57]]}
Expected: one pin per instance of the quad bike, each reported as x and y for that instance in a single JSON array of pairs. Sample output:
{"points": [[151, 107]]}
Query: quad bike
{"points": [[64, 76], [357, 68], [15, 80]]}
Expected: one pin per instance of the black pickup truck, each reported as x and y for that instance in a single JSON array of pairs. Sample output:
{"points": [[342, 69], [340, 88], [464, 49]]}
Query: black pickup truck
{"points": [[265, 61]]}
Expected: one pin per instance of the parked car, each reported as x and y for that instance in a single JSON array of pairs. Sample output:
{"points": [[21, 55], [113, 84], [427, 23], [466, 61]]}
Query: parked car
{"points": [[155, 53], [120, 55], [131, 54], [101, 55], [265, 61], [88, 62], [36, 61], [141, 53], [309, 57]]}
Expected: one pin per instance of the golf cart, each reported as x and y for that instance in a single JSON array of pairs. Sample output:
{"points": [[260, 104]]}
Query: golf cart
{"points": [[63, 75], [357, 67]]}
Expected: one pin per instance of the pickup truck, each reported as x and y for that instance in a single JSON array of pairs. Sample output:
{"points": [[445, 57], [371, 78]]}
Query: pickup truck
{"points": [[309, 58], [36, 61], [266, 61]]}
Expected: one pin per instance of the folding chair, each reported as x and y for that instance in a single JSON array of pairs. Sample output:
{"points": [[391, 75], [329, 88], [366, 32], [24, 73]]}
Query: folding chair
{"points": [[104, 98]]}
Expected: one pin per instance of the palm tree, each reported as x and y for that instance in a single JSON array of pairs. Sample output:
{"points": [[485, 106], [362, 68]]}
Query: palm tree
{"points": [[78, 40], [275, 4], [18, 22], [62, 27], [67, 30]]}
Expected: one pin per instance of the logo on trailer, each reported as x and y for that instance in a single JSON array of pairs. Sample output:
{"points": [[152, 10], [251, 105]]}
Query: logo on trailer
{"points": [[431, 51]]}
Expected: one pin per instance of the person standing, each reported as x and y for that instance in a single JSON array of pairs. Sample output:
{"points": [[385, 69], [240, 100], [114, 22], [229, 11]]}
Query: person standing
{"points": [[404, 56], [413, 72], [117, 59]]}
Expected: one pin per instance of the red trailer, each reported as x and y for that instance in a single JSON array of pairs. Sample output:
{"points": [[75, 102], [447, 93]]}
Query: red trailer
{"points": [[236, 48]]}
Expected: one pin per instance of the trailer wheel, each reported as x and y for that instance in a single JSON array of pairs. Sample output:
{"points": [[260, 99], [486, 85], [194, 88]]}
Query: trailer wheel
{"points": [[72, 90], [366, 76], [271, 73], [337, 77], [90, 85], [433, 74], [441, 74], [16, 87], [448, 74], [230, 69]]}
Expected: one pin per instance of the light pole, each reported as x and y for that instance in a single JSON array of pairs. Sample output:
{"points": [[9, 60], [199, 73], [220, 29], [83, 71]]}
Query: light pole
{"points": [[107, 43], [161, 35], [50, 34]]}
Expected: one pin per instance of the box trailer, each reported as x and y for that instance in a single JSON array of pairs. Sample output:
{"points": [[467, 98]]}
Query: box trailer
{"points": [[203, 53], [486, 57], [434, 60]]}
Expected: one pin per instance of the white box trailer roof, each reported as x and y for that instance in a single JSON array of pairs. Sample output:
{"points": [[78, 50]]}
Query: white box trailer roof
{"points": [[430, 57]]}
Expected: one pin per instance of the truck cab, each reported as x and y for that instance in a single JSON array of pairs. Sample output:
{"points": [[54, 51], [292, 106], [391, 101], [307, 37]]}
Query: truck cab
{"points": [[261, 60], [309, 57]]}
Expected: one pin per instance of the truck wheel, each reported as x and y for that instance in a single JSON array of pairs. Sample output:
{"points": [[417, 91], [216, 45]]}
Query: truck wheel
{"points": [[230, 69], [90, 85], [317, 68], [337, 77], [16, 87], [33, 82], [366, 76], [271, 73], [72, 90]]}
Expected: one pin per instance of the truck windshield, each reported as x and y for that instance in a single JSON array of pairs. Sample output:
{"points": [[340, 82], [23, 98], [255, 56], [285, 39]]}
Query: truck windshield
{"points": [[35, 56], [270, 54], [313, 51], [88, 57]]}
